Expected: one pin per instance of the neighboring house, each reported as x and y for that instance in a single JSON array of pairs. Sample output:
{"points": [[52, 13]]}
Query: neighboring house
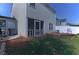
{"points": [[64, 27], [34, 19], [61, 22]]}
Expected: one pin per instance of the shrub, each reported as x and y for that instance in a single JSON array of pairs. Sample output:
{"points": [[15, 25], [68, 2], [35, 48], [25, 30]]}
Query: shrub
{"points": [[44, 46]]}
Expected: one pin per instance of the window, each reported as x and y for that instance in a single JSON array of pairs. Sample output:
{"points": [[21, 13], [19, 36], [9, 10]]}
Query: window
{"points": [[50, 26], [32, 5], [42, 24]]}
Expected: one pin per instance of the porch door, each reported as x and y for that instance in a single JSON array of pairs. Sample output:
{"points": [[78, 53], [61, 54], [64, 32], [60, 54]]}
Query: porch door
{"points": [[37, 28]]}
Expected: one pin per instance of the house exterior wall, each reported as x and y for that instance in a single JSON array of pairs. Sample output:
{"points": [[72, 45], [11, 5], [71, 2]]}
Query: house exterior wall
{"points": [[58, 22], [19, 12], [62, 27], [40, 12], [63, 23], [22, 11]]}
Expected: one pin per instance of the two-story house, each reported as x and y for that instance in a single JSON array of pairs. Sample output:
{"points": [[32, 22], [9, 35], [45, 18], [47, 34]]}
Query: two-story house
{"points": [[62, 26], [34, 19], [61, 22]]}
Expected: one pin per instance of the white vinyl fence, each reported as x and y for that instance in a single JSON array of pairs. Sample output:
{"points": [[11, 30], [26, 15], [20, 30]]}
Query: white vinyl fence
{"points": [[67, 29]]}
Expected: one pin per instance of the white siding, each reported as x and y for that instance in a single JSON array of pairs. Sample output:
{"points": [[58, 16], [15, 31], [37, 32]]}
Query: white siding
{"points": [[40, 12], [19, 12], [22, 11], [63, 23]]}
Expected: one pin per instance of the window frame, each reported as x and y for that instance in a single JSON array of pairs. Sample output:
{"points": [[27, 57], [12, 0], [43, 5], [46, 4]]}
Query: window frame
{"points": [[32, 5], [50, 26]]}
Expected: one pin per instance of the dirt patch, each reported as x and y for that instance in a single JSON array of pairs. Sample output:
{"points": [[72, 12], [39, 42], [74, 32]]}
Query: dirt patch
{"points": [[17, 41], [23, 40]]}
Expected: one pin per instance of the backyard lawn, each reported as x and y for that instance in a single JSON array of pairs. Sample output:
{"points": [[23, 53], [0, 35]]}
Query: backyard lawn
{"points": [[75, 42], [46, 45], [72, 40]]}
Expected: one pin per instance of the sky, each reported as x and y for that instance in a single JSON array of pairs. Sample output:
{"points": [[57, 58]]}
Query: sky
{"points": [[5, 9], [69, 11]]}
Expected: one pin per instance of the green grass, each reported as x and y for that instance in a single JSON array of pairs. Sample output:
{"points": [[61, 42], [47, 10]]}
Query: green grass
{"points": [[74, 41]]}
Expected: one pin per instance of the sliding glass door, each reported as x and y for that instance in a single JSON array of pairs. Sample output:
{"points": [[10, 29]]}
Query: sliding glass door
{"points": [[35, 27], [38, 27]]}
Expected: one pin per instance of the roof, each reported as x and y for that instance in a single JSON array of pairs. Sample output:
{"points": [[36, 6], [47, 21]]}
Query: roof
{"points": [[72, 24], [7, 17], [49, 7], [61, 20]]}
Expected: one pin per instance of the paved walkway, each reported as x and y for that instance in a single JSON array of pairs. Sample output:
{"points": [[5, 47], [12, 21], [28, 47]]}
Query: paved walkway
{"points": [[2, 48], [2, 45]]}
